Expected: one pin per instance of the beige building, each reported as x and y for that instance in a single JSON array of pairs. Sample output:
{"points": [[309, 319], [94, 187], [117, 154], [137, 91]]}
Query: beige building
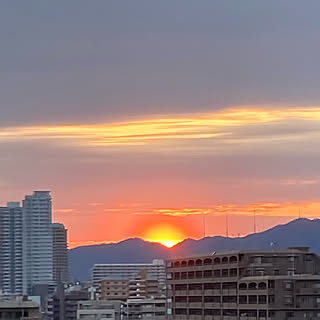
{"points": [[142, 286], [144, 309], [248, 285], [98, 310], [114, 289]]}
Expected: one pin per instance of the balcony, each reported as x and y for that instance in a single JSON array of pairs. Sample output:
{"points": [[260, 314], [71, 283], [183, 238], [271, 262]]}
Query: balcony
{"points": [[182, 305], [307, 291], [195, 292], [195, 305], [230, 292], [229, 305], [181, 293], [212, 305]]}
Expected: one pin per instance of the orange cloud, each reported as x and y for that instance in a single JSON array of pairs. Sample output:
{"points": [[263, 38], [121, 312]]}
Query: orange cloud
{"points": [[221, 126]]}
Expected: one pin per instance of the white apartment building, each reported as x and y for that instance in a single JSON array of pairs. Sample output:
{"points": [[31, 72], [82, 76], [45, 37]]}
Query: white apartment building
{"points": [[129, 271], [37, 241]]}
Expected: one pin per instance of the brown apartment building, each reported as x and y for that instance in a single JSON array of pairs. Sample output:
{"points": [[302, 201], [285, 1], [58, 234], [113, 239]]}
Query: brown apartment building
{"points": [[247, 285]]}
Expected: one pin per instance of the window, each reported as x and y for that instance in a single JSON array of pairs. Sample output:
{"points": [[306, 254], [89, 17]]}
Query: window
{"points": [[262, 286], [195, 299], [262, 299], [243, 300], [195, 312], [190, 263], [288, 301], [242, 286], [233, 272], [207, 274], [288, 285], [216, 273], [252, 299], [180, 299], [262, 313], [215, 299], [198, 262], [195, 286]]}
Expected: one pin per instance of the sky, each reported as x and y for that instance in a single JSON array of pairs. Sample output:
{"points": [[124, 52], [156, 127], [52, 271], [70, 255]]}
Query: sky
{"points": [[162, 119]]}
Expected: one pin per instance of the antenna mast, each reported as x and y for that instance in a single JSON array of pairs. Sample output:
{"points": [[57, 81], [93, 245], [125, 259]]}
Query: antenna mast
{"points": [[227, 224]]}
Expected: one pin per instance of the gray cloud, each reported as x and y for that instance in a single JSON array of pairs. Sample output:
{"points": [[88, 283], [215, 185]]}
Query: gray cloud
{"points": [[79, 62]]}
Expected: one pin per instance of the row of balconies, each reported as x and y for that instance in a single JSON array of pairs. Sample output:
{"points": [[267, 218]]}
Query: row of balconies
{"points": [[219, 292], [212, 317]]}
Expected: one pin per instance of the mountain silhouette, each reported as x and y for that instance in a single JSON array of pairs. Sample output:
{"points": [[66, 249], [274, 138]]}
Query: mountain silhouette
{"points": [[300, 232]]}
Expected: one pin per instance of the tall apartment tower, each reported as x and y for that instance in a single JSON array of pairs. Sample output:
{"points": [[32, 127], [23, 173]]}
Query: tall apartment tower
{"points": [[11, 248], [37, 241], [60, 254]]}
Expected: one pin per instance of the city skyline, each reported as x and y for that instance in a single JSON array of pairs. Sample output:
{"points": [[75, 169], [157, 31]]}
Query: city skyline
{"points": [[152, 119]]}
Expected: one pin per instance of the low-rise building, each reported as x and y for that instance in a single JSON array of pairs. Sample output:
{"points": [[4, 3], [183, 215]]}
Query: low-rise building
{"points": [[144, 309], [99, 310], [128, 271], [142, 286], [257, 284], [19, 308]]}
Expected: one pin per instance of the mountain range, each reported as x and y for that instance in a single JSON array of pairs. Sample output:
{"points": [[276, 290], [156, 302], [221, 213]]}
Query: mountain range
{"points": [[299, 232]]}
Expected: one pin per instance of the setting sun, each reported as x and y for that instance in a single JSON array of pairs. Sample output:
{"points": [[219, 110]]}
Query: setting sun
{"points": [[166, 234]]}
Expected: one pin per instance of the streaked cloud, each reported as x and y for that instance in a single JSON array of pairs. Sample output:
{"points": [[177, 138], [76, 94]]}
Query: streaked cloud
{"points": [[309, 209], [227, 128]]}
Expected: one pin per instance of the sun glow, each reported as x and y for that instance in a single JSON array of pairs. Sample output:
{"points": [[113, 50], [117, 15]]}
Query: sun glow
{"points": [[166, 234]]}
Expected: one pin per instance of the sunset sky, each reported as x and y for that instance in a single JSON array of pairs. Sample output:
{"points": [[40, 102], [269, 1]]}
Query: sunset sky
{"points": [[162, 119]]}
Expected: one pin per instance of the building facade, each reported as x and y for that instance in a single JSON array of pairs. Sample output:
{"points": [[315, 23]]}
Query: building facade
{"points": [[144, 309], [19, 307], [11, 248], [99, 310], [128, 271], [37, 241], [248, 285], [60, 254]]}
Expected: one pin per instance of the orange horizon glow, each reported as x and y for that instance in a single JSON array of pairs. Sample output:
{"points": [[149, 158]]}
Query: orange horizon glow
{"points": [[171, 226]]}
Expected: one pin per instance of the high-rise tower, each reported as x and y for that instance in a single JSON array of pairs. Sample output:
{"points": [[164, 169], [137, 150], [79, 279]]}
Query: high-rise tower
{"points": [[11, 248], [37, 241], [60, 253]]}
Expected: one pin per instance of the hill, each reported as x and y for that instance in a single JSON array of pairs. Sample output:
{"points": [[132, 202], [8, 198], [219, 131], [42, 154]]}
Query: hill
{"points": [[300, 232]]}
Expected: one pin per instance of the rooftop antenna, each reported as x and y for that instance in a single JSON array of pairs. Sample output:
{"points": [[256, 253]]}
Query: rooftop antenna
{"points": [[204, 225], [227, 224], [254, 220]]}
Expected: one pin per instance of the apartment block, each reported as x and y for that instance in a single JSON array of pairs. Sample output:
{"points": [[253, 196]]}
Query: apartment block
{"points": [[11, 248], [37, 241], [142, 286], [19, 307], [144, 309], [99, 310], [60, 260], [128, 271], [248, 285]]}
